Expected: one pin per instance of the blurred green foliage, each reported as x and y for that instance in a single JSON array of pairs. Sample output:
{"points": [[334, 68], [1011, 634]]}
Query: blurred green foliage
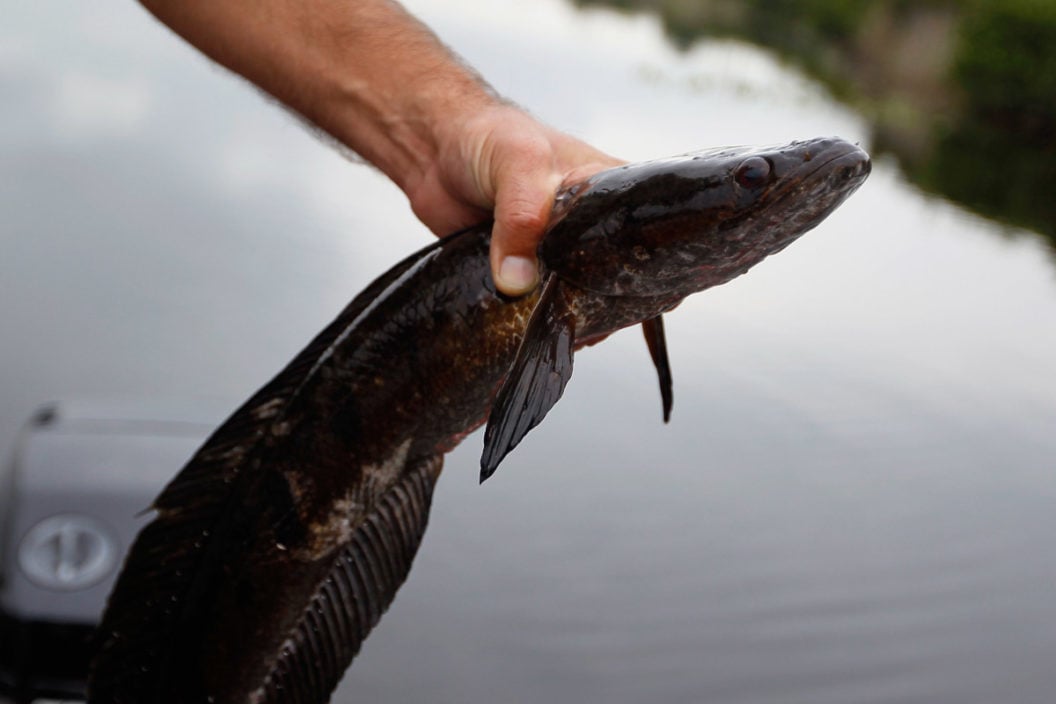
{"points": [[982, 130], [771, 20], [999, 156], [1006, 64]]}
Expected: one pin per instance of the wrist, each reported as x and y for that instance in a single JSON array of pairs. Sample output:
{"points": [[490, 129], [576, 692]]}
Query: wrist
{"points": [[431, 122], [395, 93]]}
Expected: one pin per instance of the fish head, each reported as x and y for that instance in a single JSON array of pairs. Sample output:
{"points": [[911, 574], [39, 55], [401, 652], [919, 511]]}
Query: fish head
{"points": [[675, 226]]}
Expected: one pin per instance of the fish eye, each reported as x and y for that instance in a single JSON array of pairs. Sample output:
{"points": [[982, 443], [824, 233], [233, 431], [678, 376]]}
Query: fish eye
{"points": [[753, 172]]}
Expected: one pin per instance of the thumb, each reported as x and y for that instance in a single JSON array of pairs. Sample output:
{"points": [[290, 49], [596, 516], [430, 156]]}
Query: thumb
{"points": [[522, 211]]}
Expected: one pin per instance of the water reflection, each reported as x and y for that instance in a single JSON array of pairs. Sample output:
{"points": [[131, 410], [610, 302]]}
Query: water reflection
{"points": [[962, 94], [853, 500]]}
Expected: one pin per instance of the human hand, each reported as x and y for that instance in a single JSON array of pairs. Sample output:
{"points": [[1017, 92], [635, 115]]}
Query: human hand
{"points": [[356, 71], [502, 161]]}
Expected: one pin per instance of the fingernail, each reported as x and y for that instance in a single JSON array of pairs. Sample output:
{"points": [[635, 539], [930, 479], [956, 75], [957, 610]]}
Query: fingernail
{"points": [[517, 275]]}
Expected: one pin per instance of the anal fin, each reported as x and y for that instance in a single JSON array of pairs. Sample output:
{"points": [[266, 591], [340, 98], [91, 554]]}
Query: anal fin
{"points": [[363, 580]]}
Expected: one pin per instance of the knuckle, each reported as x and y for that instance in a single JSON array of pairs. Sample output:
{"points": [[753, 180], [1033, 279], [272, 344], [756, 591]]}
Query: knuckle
{"points": [[524, 221]]}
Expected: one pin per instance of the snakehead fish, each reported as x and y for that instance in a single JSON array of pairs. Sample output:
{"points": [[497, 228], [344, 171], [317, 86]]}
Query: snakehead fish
{"points": [[277, 548]]}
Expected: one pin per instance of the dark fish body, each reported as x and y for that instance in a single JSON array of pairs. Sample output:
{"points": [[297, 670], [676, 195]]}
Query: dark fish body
{"points": [[276, 549]]}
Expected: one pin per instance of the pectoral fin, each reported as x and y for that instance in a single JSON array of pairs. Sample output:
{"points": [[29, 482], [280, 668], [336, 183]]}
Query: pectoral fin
{"points": [[536, 380], [654, 337]]}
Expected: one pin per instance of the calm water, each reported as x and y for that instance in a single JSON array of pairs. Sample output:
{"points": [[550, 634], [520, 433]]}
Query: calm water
{"points": [[856, 496]]}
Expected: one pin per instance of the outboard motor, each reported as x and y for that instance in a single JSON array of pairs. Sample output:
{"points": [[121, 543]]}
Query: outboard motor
{"points": [[72, 498]]}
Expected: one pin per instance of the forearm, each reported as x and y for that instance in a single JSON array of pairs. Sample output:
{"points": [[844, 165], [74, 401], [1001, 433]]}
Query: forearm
{"points": [[364, 71], [382, 84]]}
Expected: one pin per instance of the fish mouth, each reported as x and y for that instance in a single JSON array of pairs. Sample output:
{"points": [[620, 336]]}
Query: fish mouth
{"points": [[812, 179], [828, 171], [840, 160]]}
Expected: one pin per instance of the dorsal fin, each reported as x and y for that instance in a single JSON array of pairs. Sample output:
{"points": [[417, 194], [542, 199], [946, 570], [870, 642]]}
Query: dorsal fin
{"points": [[221, 456], [163, 582], [536, 379]]}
